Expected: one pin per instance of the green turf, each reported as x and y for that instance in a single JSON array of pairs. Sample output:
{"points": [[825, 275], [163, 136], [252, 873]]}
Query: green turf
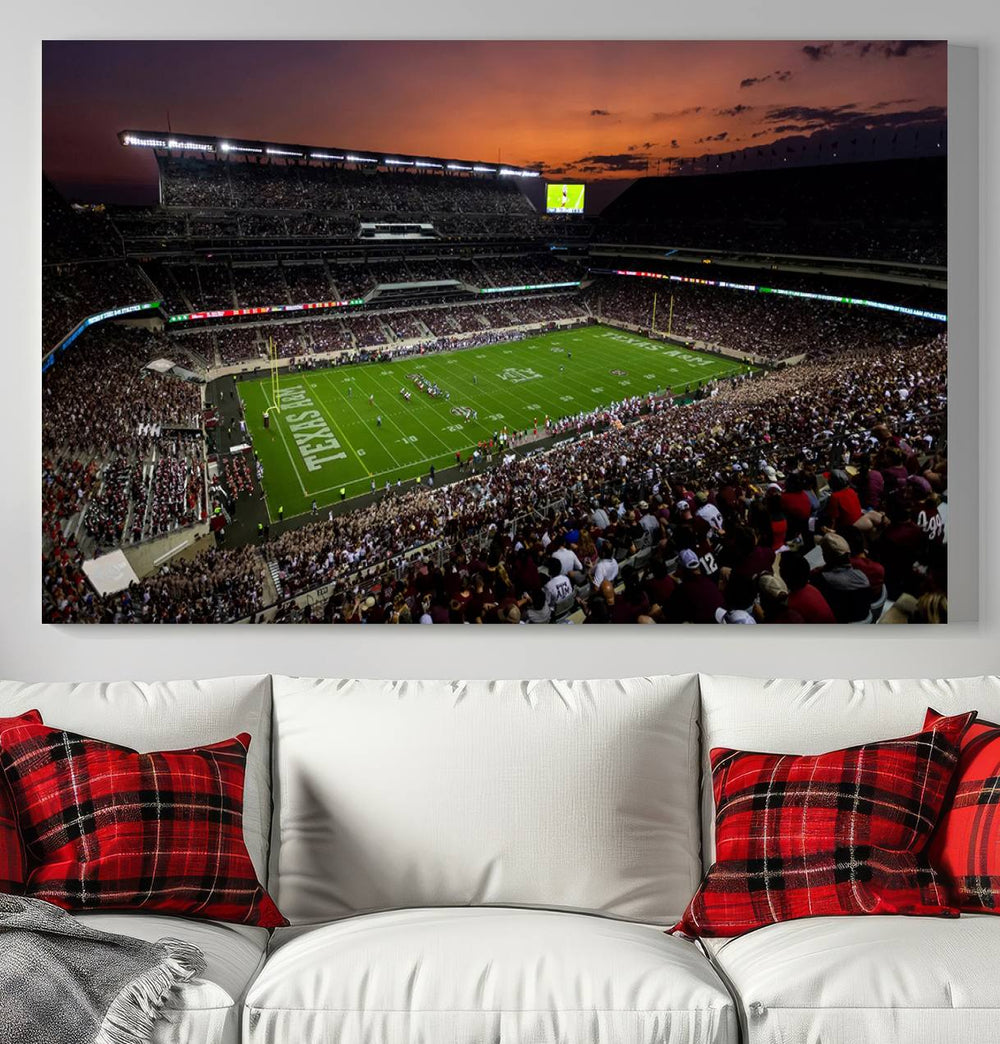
{"points": [[327, 413]]}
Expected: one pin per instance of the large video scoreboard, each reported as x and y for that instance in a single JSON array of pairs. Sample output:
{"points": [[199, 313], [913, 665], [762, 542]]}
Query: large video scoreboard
{"points": [[564, 199]]}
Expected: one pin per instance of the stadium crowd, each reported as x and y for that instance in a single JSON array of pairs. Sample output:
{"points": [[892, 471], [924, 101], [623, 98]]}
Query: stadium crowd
{"points": [[358, 333], [679, 491], [122, 454], [766, 325], [808, 494], [191, 182], [815, 493], [218, 284], [99, 396], [74, 290]]}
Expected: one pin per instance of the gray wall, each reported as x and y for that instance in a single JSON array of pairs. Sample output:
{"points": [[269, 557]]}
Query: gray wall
{"points": [[29, 650]]}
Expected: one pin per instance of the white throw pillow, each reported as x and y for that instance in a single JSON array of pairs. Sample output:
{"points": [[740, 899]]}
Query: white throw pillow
{"points": [[579, 795]]}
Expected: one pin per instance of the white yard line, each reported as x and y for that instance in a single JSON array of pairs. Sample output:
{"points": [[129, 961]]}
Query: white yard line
{"points": [[340, 431], [347, 399], [435, 436], [302, 485]]}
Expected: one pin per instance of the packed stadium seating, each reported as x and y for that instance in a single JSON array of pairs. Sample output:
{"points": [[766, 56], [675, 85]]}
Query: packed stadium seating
{"points": [[762, 462], [124, 454], [763, 325], [192, 182], [858, 416]]}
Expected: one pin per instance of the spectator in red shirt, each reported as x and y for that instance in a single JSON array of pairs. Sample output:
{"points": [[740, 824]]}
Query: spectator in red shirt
{"points": [[660, 585], [899, 547], [843, 508], [860, 560], [777, 517], [746, 555], [803, 597], [797, 506]]}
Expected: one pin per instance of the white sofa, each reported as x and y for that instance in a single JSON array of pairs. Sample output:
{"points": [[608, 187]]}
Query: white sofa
{"points": [[494, 862]]}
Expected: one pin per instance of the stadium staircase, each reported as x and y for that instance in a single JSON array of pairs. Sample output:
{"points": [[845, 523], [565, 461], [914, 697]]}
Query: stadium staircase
{"points": [[275, 573]]}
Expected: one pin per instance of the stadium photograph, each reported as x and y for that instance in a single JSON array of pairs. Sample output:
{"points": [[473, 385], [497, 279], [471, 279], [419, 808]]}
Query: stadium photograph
{"points": [[588, 333]]}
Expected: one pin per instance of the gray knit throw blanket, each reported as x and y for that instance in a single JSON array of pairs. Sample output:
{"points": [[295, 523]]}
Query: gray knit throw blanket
{"points": [[64, 983]]}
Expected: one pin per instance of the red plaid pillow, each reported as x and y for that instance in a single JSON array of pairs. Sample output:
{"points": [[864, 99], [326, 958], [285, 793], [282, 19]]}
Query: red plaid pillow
{"points": [[108, 828], [827, 834], [966, 843], [12, 869]]}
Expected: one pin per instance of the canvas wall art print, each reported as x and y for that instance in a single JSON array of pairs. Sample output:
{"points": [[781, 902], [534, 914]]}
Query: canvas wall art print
{"points": [[530, 333]]}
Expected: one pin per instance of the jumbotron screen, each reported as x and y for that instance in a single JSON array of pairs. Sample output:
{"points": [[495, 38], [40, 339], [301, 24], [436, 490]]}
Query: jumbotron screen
{"points": [[564, 199]]}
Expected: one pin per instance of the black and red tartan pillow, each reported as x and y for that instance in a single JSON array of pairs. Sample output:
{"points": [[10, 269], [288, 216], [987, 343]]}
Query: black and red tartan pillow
{"points": [[965, 847], [828, 834], [107, 828], [12, 868]]}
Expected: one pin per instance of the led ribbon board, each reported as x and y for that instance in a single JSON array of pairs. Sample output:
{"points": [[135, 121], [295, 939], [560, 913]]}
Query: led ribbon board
{"points": [[530, 286], [99, 317], [862, 302], [227, 313]]}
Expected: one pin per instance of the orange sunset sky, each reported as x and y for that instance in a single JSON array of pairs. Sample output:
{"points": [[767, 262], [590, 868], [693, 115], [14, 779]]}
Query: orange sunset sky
{"points": [[587, 110]]}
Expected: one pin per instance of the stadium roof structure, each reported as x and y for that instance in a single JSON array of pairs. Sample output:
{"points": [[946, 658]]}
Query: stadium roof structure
{"points": [[167, 142]]}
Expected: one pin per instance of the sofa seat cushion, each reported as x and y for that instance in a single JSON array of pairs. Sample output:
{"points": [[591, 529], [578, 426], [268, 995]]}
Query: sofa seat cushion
{"points": [[843, 980], [485, 975], [207, 1009]]}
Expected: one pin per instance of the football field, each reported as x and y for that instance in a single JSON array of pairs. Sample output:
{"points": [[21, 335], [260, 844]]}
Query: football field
{"points": [[328, 435]]}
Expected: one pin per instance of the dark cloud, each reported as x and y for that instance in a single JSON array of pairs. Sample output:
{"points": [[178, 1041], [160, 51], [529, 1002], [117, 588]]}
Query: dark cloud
{"points": [[643, 148], [871, 48], [677, 113], [892, 48], [674, 144], [721, 136], [736, 110], [801, 118], [817, 52], [808, 114], [904, 118], [599, 112], [815, 126], [781, 75], [603, 163], [896, 101]]}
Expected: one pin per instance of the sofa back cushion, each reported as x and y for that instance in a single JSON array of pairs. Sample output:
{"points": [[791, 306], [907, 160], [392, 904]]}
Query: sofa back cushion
{"points": [[564, 795], [154, 716], [788, 716]]}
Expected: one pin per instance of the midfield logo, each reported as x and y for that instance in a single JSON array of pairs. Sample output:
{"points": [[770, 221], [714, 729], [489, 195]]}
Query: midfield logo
{"points": [[519, 376]]}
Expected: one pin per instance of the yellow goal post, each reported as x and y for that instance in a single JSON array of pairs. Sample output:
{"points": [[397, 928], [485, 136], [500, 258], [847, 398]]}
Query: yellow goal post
{"points": [[272, 362]]}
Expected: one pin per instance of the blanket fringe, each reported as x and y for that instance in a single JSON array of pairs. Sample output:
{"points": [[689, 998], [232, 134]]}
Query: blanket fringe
{"points": [[133, 1013]]}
